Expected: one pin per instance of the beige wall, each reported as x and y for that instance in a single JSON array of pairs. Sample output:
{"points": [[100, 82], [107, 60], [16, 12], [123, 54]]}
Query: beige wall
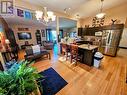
{"points": [[119, 13], [123, 42], [32, 30], [33, 7], [23, 4]]}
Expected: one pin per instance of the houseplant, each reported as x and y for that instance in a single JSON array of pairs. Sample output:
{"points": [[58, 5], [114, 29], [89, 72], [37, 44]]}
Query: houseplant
{"points": [[18, 80]]}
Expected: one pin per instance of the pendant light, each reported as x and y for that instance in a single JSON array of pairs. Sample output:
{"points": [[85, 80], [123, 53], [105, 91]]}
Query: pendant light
{"points": [[101, 14], [45, 16]]}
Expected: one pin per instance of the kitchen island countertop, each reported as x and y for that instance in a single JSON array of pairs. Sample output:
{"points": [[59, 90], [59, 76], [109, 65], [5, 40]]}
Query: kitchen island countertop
{"points": [[86, 52], [85, 46]]}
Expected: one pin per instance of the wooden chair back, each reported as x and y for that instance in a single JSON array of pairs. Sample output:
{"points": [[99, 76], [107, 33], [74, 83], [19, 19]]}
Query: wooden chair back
{"points": [[64, 47], [74, 50]]}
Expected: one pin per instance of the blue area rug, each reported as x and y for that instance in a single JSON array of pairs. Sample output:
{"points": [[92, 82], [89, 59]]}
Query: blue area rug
{"points": [[52, 82]]}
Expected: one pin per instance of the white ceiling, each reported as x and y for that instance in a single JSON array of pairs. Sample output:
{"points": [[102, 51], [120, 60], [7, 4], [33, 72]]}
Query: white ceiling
{"points": [[84, 8]]}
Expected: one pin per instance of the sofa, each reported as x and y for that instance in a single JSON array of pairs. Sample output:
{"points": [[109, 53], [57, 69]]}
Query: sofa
{"points": [[48, 45], [35, 52]]}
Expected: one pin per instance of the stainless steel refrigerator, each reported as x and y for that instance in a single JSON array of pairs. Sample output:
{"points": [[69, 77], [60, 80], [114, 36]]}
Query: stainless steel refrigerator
{"points": [[110, 42]]}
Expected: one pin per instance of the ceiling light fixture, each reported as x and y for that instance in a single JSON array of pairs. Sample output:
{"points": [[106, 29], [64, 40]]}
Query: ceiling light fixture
{"points": [[77, 16], [66, 10], [101, 14], [45, 16]]}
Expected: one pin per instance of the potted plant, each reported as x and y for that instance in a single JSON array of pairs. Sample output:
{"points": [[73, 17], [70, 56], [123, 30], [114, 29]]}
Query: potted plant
{"points": [[20, 79]]}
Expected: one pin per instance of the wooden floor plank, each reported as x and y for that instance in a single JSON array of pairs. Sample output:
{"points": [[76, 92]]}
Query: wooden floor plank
{"points": [[109, 79]]}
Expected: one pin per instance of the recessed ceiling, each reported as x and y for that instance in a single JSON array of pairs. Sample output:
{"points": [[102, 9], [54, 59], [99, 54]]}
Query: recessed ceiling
{"points": [[58, 5], [67, 23], [84, 8], [63, 23], [15, 20]]}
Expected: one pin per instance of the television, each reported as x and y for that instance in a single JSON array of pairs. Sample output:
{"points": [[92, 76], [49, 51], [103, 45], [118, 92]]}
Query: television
{"points": [[24, 36]]}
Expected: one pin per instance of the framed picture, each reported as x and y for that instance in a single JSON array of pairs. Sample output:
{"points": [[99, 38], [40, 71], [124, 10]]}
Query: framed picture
{"points": [[98, 22], [23, 29], [28, 15], [43, 33], [20, 13]]}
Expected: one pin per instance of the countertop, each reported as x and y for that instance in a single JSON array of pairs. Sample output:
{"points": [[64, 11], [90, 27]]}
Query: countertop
{"points": [[85, 46]]}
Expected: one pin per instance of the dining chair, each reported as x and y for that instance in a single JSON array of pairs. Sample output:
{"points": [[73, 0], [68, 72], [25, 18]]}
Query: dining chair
{"points": [[74, 53], [66, 50]]}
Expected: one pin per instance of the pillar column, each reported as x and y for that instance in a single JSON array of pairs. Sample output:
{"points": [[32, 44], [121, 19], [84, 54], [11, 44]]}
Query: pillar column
{"points": [[57, 25]]}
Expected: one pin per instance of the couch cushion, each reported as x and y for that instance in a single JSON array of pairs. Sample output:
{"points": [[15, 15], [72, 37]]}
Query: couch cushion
{"points": [[29, 51], [36, 49]]}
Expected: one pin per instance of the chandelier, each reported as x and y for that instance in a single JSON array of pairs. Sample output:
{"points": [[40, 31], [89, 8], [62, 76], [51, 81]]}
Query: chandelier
{"points": [[101, 14], [45, 16]]}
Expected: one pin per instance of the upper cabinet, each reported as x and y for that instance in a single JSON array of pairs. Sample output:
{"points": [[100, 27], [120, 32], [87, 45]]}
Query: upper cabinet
{"points": [[92, 30], [86, 31], [80, 31]]}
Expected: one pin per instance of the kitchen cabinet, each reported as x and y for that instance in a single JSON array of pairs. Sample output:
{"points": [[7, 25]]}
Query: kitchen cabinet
{"points": [[86, 52], [80, 31], [90, 31], [86, 32]]}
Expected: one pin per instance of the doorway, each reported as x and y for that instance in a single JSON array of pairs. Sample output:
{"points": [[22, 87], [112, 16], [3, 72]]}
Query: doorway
{"points": [[51, 35]]}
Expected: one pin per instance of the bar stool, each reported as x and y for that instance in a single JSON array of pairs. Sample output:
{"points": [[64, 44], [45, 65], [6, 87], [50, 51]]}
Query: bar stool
{"points": [[66, 50], [74, 53]]}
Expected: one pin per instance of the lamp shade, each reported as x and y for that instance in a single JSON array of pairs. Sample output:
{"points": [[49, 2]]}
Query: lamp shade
{"points": [[50, 13], [53, 18], [7, 41], [45, 16]]}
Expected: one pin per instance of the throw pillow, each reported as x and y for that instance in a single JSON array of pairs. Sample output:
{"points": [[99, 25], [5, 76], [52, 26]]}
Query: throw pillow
{"points": [[36, 49]]}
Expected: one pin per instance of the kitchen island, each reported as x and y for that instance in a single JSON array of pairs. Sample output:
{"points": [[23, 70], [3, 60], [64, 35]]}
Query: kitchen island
{"points": [[86, 51]]}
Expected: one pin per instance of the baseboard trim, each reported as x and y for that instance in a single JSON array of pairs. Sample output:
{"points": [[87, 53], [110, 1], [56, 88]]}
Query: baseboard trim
{"points": [[123, 47]]}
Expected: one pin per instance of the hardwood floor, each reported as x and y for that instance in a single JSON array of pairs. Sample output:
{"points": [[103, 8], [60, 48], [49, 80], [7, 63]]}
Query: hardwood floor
{"points": [[109, 79]]}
